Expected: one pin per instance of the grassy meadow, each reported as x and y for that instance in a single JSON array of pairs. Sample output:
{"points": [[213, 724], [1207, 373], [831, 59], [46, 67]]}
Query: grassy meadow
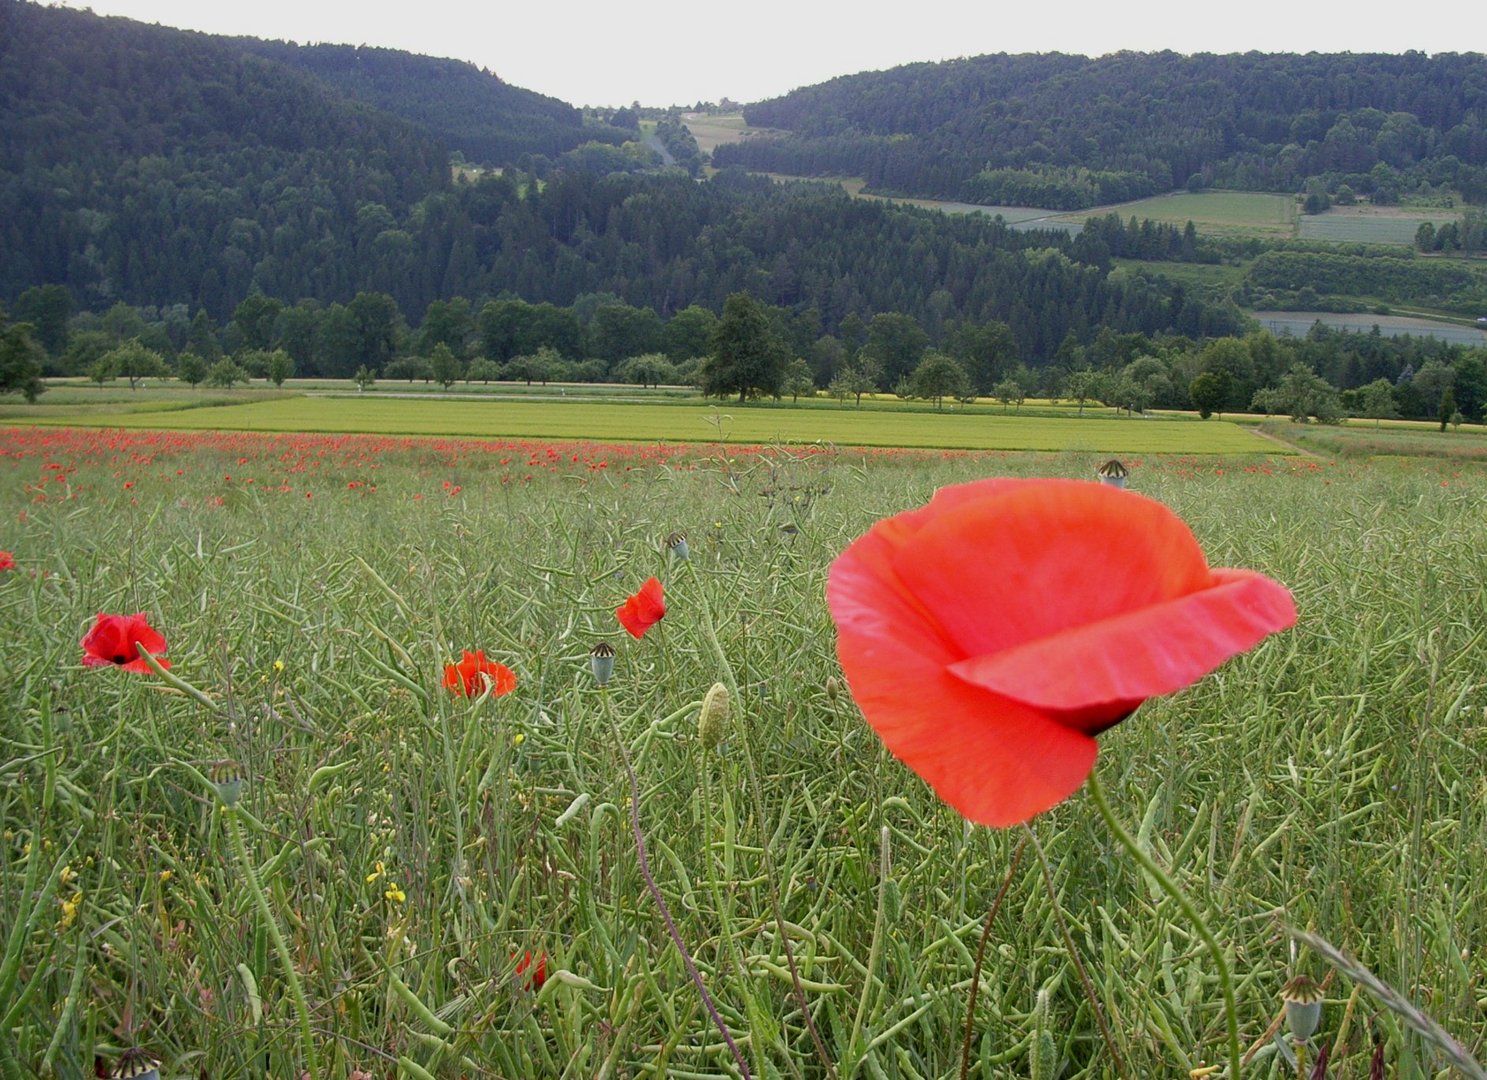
{"points": [[402, 857], [887, 423]]}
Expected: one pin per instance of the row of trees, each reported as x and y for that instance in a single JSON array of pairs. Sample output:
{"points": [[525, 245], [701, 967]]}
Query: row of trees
{"points": [[600, 338]]}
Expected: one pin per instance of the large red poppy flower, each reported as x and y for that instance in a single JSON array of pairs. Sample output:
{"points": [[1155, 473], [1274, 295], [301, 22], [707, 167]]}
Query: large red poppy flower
{"points": [[474, 673], [991, 634], [643, 609], [115, 641]]}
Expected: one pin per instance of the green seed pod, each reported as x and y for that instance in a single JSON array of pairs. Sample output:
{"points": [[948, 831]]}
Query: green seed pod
{"points": [[1303, 1000], [833, 688], [677, 543], [136, 1064], [601, 662], [227, 778], [712, 721]]}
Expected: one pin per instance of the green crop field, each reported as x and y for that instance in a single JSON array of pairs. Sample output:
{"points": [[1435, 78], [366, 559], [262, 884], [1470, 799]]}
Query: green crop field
{"points": [[1369, 224], [985, 427], [1242, 212], [297, 851]]}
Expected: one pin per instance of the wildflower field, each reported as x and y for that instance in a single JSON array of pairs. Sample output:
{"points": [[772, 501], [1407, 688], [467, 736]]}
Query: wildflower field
{"points": [[378, 816]]}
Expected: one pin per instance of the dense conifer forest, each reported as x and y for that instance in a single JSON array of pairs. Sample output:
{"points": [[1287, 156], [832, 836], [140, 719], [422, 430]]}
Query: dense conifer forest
{"points": [[1068, 131]]}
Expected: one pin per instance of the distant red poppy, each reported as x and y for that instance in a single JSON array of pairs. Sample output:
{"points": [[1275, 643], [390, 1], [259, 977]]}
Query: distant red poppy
{"points": [[643, 609], [532, 972], [990, 635], [7, 561], [474, 673], [115, 641]]}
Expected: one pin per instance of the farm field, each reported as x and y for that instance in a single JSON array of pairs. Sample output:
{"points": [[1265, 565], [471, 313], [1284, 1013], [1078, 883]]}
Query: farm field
{"points": [[1297, 323], [1239, 212], [420, 883], [1366, 224], [984, 428]]}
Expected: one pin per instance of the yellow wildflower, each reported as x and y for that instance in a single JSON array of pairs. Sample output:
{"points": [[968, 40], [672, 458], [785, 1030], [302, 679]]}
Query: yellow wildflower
{"points": [[518, 738], [69, 910], [278, 665], [393, 893], [377, 872]]}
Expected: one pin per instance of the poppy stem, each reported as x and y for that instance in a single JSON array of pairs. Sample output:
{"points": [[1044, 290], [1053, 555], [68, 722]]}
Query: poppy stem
{"points": [[655, 891], [996, 905], [271, 924], [1168, 886], [756, 792]]}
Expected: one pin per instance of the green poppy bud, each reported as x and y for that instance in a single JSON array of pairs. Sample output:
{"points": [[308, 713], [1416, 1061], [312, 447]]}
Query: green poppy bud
{"points": [[677, 544], [712, 721]]}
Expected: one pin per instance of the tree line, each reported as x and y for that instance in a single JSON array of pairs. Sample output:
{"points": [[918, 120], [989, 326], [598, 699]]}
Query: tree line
{"points": [[750, 349]]}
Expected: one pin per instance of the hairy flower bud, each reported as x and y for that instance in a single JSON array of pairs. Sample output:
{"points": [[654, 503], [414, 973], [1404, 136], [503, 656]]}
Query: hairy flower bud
{"points": [[712, 721]]}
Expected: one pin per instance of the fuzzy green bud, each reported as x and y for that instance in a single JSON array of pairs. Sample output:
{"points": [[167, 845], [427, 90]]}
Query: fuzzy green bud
{"points": [[712, 721]]}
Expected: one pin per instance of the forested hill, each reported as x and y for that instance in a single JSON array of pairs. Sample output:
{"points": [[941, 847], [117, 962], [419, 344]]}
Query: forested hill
{"points": [[1069, 131], [472, 110]]}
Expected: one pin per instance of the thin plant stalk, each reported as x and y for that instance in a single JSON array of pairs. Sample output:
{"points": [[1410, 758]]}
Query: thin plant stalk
{"points": [[655, 891], [1168, 886], [1063, 929], [296, 989], [996, 904], [756, 792], [875, 952]]}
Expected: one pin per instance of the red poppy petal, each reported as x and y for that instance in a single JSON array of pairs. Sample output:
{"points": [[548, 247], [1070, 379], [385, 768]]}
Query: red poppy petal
{"points": [[141, 633], [142, 666], [994, 760], [1029, 561], [1139, 654]]}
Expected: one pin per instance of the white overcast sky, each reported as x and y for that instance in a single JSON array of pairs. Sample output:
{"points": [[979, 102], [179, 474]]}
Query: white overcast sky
{"points": [[669, 52]]}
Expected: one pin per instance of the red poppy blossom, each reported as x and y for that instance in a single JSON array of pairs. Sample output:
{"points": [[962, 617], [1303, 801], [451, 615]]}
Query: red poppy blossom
{"points": [[115, 641], [991, 634], [474, 673], [532, 973], [7, 561], [643, 609]]}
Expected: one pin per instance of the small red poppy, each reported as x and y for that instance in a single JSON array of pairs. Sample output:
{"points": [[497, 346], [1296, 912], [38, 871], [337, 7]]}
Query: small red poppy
{"points": [[643, 609], [115, 641], [532, 972], [7, 561], [990, 635], [474, 673]]}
